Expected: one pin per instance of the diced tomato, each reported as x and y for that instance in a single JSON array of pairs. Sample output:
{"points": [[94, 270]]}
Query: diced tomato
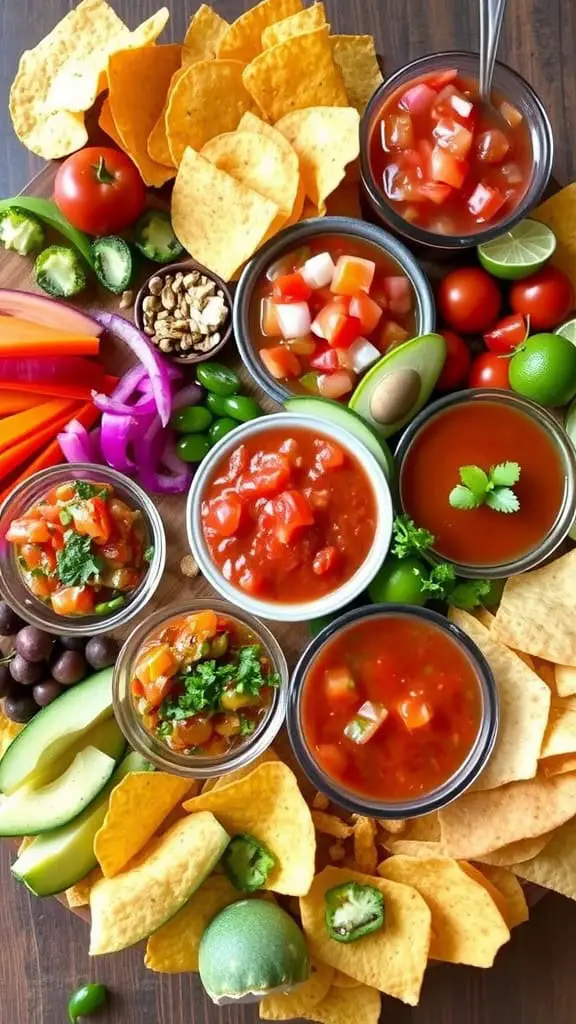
{"points": [[402, 183], [267, 477], [269, 324], [462, 106], [92, 519], [448, 168], [281, 362], [56, 539], [28, 531], [436, 191], [339, 329], [398, 291], [392, 334], [492, 146], [192, 732], [442, 78], [325, 560], [117, 553], [332, 758], [204, 624], [485, 202], [338, 303], [65, 492], [414, 712], [511, 114], [366, 311], [335, 385], [43, 586], [442, 106], [156, 663], [49, 513], [225, 515], [339, 686], [250, 581], [32, 555], [73, 601], [302, 346], [291, 512], [397, 132], [418, 98], [329, 455], [366, 722], [325, 359], [453, 137], [155, 691], [352, 275], [291, 288], [137, 688]]}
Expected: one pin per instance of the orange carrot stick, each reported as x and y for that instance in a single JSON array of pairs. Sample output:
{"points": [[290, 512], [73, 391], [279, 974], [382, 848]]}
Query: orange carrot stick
{"points": [[19, 453], [22, 425], [16, 401], [17, 345]]}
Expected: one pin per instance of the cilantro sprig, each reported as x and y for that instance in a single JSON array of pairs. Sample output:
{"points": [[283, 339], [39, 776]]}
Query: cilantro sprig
{"points": [[77, 562], [493, 488], [206, 681]]}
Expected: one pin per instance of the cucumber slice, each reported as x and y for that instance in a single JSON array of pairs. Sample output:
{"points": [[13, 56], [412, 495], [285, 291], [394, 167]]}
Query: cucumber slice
{"points": [[113, 263]]}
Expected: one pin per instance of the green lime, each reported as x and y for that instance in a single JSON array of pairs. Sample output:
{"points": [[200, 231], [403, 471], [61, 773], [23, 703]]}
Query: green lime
{"points": [[399, 581], [568, 330], [519, 252], [543, 368], [193, 447], [220, 428], [194, 419]]}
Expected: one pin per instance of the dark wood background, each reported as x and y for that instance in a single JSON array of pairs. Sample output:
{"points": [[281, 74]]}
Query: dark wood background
{"points": [[43, 947]]}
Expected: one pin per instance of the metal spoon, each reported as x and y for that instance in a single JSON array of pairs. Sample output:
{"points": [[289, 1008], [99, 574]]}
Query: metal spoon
{"points": [[491, 19]]}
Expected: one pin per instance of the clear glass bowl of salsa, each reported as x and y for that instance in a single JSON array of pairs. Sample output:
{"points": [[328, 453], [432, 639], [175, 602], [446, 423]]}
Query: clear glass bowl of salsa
{"points": [[392, 711], [485, 427], [82, 549], [332, 325], [440, 169], [200, 690]]}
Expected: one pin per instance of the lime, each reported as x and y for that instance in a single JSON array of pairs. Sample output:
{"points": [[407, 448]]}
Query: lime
{"points": [[544, 369], [519, 252], [568, 330]]}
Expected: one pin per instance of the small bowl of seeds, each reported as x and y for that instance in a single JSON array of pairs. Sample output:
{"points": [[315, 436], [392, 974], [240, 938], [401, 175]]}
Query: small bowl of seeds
{"points": [[185, 310]]}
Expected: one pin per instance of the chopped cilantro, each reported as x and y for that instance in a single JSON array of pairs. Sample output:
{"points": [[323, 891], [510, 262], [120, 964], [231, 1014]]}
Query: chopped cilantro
{"points": [[247, 725], [493, 488], [149, 553], [439, 582], [468, 594], [205, 682], [85, 490], [409, 539], [76, 562], [164, 729]]}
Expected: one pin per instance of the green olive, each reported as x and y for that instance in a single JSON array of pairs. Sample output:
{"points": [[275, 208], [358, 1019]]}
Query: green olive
{"points": [[220, 428], [218, 379], [217, 405], [193, 447], [194, 419], [242, 408], [86, 1000]]}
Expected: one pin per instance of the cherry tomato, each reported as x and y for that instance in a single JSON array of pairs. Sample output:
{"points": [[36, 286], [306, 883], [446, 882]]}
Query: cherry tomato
{"points": [[547, 297], [509, 332], [469, 300], [99, 190], [489, 371], [457, 365]]}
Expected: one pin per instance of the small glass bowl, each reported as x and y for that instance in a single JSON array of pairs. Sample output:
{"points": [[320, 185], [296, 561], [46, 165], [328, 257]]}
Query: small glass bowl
{"points": [[518, 91], [12, 586], [159, 753], [468, 771], [544, 419]]}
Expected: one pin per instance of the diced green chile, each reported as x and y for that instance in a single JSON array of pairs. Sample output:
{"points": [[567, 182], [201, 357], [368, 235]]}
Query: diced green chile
{"points": [[218, 379], [247, 863], [59, 272], [86, 1000], [107, 607], [154, 237], [22, 232], [113, 263], [48, 212], [352, 911]]}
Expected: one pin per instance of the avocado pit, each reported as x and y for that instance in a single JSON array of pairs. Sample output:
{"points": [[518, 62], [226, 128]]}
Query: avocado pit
{"points": [[395, 395]]}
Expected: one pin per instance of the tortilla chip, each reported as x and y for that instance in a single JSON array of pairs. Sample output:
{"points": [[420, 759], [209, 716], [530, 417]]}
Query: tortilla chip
{"points": [[295, 25], [542, 668], [243, 39], [325, 139], [538, 609], [240, 773], [138, 805], [8, 732], [393, 959], [513, 853], [331, 825], [425, 829], [467, 926], [559, 213], [560, 735], [217, 219], [298, 73], [480, 822], [365, 852], [509, 886], [524, 707], [287, 1006], [79, 895], [268, 805], [206, 101], [565, 680], [106, 123], [357, 60], [476, 875], [259, 163], [394, 826], [555, 866], [138, 82], [203, 35], [558, 765], [252, 123], [347, 1007], [173, 949], [341, 980], [158, 148], [413, 847]]}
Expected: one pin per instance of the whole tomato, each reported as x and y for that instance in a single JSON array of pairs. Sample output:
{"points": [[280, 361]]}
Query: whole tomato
{"points": [[489, 371], [507, 334], [547, 297], [457, 365], [99, 190], [469, 300]]}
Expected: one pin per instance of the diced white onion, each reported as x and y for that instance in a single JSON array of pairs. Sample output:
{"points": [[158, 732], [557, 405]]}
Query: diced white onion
{"points": [[318, 271], [294, 319], [361, 355]]}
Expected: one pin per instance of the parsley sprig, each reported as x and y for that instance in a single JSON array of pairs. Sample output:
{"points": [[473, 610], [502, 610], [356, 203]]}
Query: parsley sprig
{"points": [[493, 488]]}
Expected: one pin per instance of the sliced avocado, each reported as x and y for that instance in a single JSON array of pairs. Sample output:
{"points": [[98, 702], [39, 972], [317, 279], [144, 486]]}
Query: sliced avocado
{"points": [[106, 736], [333, 412], [54, 729], [31, 811], [570, 428], [59, 859], [397, 386]]}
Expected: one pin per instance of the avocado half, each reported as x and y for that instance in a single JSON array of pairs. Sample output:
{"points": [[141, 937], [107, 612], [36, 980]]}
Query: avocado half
{"points": [[250, 949], [399, 384]]}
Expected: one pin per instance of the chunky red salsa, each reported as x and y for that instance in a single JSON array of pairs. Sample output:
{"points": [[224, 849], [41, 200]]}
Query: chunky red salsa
{"points": [[324, 313], [289, 516], [391, 707], [482, 433], [445, 161]]}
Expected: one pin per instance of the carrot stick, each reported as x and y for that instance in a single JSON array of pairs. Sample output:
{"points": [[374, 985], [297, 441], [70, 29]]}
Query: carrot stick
{"points": [[19, 453], [16, 401], [79, 392], [18, 345], [22, 425]]}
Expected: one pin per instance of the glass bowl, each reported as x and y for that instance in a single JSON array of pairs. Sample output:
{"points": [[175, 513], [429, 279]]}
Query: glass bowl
{"points": [[30, 608], [464, 776], [159, 753], [295, 236], [518, 91], [565, 518]]}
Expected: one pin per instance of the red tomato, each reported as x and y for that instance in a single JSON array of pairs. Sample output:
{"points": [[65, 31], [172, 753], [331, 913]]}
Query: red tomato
{"points": [[469, 300], [457, 365], [280, 362], [506, 334], [338, 329], [291, 288], [291, 511], [485, 202], [489, 371], [224, 515], [547, 297], [99, 190]]}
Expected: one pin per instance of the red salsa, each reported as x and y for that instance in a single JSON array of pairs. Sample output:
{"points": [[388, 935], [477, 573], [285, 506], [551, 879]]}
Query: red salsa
{"points": [[202, 684], [391, 707], [289, 516], [324, 313], [482, 433], [446, 162]]}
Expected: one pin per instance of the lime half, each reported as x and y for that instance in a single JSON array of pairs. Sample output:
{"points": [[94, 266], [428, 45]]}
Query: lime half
{"points": [[519, 252], [568, 330]]}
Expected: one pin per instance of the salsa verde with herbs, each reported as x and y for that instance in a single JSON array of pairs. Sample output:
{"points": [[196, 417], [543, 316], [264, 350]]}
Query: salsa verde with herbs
{"points": [[202, 684], [81, 549]]}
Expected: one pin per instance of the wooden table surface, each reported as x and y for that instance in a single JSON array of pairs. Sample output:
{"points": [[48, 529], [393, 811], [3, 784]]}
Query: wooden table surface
{"points": [[43, 947]]}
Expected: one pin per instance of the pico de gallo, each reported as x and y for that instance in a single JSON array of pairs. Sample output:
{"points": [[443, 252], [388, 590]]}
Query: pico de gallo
{"points": [[81, 549], [324, 313], [202, 684], [444, 160], [391, 707], [288, 517]]}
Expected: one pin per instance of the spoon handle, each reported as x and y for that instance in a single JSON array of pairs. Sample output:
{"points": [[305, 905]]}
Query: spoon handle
{"points": [[491, 19]]}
